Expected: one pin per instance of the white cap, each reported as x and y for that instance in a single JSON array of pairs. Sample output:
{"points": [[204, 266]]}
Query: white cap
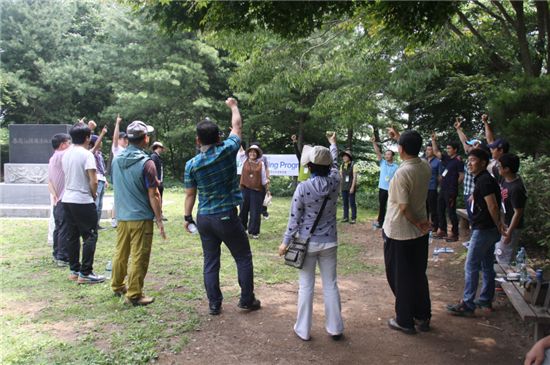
{"points": [[317, 155]]}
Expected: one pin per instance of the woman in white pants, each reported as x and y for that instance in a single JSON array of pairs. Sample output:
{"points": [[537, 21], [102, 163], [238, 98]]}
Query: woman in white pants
{"points": [[306, 205]]}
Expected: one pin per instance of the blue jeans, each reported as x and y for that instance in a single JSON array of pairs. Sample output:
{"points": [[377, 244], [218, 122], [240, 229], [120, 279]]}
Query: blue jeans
{"points": [[99, 198], [226, 227], [348, 199], [480, 257]]}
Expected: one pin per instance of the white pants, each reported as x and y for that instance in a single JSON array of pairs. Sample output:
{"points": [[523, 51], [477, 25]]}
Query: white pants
{"points": [[331, 295]]}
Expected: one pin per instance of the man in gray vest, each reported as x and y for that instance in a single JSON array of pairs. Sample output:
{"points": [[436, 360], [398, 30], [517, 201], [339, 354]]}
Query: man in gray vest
{"points": [[138, 202]]}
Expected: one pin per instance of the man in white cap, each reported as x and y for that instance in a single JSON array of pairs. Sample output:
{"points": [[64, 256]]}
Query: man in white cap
{"points": [[138, 203]]}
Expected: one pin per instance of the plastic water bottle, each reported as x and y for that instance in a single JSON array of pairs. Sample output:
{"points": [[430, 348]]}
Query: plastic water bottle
{"points": [[108, 269], [523, 275], [192, 228], [521, 258]]}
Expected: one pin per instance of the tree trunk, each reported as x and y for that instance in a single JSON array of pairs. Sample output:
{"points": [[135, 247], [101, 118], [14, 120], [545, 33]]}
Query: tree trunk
{"points": [[350, 139], [521, 32], [540, 47]]}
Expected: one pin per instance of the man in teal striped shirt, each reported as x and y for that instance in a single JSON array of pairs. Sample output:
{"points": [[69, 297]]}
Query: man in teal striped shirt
{"points": [[213, 174]]}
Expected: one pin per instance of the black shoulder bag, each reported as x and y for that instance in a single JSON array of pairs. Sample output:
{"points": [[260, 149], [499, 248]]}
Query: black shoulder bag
{"points": [[297, 249]]}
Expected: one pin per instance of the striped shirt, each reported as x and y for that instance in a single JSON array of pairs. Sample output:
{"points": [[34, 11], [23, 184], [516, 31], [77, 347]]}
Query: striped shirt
{"points": [[214, 174]]}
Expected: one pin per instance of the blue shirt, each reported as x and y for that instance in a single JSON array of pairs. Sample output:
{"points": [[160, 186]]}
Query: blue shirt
{"points": [[434, 164], [386, 173], [214, 174]]}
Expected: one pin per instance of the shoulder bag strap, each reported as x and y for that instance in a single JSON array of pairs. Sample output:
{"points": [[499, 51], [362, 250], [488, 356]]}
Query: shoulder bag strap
{"points": [[318, 217]]}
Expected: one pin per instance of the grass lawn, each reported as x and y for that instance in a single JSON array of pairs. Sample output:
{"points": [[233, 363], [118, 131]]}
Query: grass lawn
{"points": [[47, 319]]}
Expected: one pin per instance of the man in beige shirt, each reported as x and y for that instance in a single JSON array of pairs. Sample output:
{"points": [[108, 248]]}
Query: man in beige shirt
{"points": [[405, 233]]}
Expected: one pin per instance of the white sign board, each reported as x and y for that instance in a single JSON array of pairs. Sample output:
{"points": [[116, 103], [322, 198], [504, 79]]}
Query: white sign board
{"points": [[279, 165]]}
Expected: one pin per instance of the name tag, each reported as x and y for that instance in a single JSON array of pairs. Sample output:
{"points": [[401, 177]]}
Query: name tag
{"points": [[306, 170], [347, 178], [444, 173]]}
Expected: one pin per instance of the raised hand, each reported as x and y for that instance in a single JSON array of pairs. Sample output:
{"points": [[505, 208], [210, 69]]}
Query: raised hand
{"points": [[294, 139], [231, 102], [118, 119]]}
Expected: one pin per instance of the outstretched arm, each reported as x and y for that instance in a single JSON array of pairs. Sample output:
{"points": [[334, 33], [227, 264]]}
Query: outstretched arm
{"points": [[236, 121], [462, 135], [393, 134], [437, 152], [116, 132], [488, 129], [376, 148], [98, 142]]}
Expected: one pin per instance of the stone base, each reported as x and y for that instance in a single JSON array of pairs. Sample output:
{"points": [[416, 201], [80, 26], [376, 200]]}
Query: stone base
{"points": [[33, 194], [43, 210], [26, 173]]}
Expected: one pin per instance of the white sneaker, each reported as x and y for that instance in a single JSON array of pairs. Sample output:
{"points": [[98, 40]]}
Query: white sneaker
{"points": [[114, 223]]}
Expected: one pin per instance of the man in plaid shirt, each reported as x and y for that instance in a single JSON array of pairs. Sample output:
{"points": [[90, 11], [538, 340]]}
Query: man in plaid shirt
{"points": [[213, 174]]}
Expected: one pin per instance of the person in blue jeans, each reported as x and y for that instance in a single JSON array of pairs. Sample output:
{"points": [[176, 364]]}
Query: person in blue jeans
{"points": [[348, 172], [387, 169], [213, 175], [487, 228]]}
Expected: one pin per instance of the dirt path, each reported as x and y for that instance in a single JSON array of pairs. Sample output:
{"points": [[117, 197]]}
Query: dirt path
{"points": [[266, 336]]}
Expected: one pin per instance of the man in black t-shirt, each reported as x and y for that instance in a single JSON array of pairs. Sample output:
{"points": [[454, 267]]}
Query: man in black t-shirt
{"points": [[451, 175], [486, 231], [514, 197]]}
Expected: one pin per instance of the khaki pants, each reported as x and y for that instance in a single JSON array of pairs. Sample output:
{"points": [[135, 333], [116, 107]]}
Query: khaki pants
{"points": [[133, 238]]}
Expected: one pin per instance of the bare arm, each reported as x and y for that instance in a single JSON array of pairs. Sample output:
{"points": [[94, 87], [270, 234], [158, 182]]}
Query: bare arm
{"points": [[156, 204], [437, 152], [116, 133], [52, 191], [190, 196], [460, 178], [494, 211], [393, 134], [462, 135], [92, 176], [535, 356], [488, 129], [101, 135], [518, 213], [236, 121], [422, 225], [376, 148]]}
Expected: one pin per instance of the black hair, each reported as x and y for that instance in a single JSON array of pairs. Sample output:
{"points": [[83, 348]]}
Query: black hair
{"points": [[208, 132], [392, 152], [79, 132], [453, 144], [319, 170], [411, 142], [510, 161], [137, 140], [480, 153], [122, 135], [58, 139]]}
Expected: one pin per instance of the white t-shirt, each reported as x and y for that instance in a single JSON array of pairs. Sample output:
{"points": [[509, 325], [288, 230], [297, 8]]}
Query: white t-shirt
{"points": [[77, 183], [117, 150]]}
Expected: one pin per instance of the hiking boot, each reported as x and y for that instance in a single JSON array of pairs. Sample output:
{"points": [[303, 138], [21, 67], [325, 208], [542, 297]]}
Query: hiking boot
{"points": [[452, 238], [337, 337], [485, 305], [423, 324], [460, 309], [90, 279], [139, 301], [73, 275], [214, 309], [252, 306], [255, 236], [352, 221], [120, 292], [392, 323]]}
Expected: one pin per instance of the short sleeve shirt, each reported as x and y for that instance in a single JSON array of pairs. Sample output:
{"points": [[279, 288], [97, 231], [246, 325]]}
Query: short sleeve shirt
{"points": [[55, 172], [387, 171], [514, 196], [485, 185], [450, 169], [76, 161], [214, 174], [408, 186], [434, 165]]}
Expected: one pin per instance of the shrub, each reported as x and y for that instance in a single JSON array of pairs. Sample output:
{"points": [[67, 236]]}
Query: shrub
{"points": [[536, 175]]}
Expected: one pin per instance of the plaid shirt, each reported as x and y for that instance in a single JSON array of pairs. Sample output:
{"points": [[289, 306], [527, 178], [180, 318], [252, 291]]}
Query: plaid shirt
{"points": [[214, 174], [468, 182]]}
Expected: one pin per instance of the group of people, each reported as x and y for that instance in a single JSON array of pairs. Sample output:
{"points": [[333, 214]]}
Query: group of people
{"points": [[414, 197]]}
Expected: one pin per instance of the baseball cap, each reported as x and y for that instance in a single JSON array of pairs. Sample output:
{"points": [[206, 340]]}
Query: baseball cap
{"points": [[500, 143], [138, 129], [157, 144], [317, 155], [473, 142], [93, 138]]}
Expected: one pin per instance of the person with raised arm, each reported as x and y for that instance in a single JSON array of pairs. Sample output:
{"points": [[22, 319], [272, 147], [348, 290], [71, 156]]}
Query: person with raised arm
{"points": [[212, 174]]}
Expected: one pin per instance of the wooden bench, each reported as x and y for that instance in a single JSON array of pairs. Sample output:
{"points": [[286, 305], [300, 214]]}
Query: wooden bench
{"points": [[463, 216], [537, 314]]}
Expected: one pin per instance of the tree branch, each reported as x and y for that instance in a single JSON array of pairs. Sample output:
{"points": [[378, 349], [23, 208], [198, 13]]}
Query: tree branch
{"points": [[543, 44], [521, 32], [504, 13], [455, 29], [496, 16]]}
